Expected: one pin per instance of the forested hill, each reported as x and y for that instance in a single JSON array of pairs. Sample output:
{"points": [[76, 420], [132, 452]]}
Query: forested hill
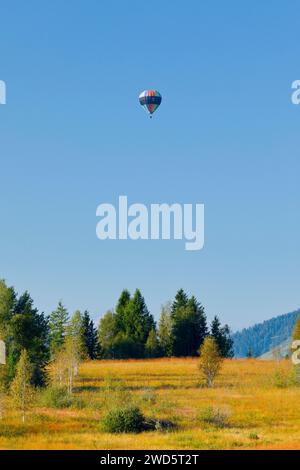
{"points": [[262, 337]]}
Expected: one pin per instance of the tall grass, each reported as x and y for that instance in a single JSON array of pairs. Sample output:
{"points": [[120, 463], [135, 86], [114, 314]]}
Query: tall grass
{"points": [[261, 413]]}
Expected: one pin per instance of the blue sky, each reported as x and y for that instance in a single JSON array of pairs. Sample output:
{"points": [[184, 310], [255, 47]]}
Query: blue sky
{"points": [[73, 136]]}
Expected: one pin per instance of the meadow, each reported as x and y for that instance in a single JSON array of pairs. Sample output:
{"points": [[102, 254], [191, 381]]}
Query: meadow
{"points": [[251, 406]]}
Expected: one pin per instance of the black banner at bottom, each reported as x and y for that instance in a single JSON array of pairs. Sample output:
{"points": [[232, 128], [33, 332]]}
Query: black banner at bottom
{"points": [[136, 459]]}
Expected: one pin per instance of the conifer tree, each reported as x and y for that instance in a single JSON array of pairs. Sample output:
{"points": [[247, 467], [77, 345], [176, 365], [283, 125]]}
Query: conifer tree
{"points": [[222, 337], [188, 325], [28, 330], [90, 336], [123, 301], [57, 323], [181, 300], [198, 321]]}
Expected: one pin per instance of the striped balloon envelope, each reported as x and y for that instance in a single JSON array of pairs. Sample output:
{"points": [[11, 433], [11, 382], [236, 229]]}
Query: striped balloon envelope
{"points": [[150, 100]]}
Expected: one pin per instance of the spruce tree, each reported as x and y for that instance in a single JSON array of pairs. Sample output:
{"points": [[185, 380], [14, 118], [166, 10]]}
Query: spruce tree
{"points": [[123, 301], [93, 343], [181, 300], [29, 330], [179, 332], [198, 321], [189, 326], [90, 336], [138, 320], [132, 323], [222, 337], [58, 321]]}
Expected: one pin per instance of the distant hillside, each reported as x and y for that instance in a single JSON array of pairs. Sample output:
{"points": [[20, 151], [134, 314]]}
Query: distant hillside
{"points": [[263, 337], [279, 352]]}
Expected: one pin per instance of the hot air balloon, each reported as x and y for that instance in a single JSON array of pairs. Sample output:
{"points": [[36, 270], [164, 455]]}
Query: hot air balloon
{"points": [[150, 100]]}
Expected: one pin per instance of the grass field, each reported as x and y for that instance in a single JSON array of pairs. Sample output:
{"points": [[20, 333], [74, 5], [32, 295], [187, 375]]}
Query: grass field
{"points": [[256, 413]]}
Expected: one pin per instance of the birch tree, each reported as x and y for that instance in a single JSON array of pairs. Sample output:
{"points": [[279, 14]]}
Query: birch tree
{"points": [[210, 360], [21, 390]]}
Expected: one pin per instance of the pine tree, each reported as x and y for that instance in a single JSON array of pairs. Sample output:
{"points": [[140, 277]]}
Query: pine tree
{"points": [[93, 345], [21, 389], [29, 330], [222, 337], [123, 301], [90, 336], [132, 324], [144, 320], [58, 322], [137, 324], [189, 326], [199, 329], [179, 327], [181, 300]]}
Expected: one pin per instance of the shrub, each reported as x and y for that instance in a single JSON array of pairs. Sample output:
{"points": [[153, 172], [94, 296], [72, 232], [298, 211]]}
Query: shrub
{"points": [[56, 397], [128, 419], [161, 425], [284, 379], [215, 416]]}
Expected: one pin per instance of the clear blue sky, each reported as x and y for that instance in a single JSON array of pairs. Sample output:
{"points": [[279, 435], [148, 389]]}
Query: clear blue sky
{"points": [[73, 135]]}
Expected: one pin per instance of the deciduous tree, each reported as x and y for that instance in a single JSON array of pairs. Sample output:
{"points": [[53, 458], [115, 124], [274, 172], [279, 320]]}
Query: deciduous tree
{"points": [[210, 360], [21, 389]]}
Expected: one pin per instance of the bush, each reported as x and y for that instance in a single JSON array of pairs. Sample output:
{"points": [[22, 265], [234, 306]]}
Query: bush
{"points": [[286, 378], [56, 397], [161, 425], [215, 416], [253, 436], [128, 419]]}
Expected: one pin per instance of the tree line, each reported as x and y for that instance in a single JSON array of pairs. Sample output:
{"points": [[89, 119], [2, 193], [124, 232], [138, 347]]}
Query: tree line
{"points": [[128, 331]]}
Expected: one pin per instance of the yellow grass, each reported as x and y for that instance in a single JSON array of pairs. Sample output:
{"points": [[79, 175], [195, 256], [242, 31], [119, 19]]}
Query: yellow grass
{"points": [[261, 415]]}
